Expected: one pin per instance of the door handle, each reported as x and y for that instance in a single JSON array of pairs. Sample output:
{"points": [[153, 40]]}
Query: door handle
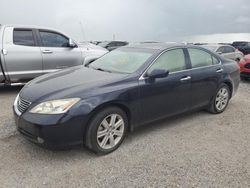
{"points": [[219, 70], [4, 51], [185, 78], [47, 52]]}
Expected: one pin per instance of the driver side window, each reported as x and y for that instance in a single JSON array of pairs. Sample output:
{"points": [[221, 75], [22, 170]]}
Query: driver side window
{"points": [[172, 60], [52, 39]]}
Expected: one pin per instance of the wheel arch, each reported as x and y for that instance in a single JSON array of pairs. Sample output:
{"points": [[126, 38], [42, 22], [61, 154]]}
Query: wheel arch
{"points": [[117, 104], [230, 85]]}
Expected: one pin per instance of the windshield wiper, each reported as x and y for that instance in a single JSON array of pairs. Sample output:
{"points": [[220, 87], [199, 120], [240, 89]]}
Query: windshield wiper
{"points": [[100, 69]]}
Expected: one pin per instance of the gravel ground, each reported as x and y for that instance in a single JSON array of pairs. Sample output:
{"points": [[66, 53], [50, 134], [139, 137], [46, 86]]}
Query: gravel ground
{"points": [[192, 150]]}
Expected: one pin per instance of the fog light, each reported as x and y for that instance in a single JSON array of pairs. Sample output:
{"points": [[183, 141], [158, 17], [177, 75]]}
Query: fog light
{"points": [[40, 140]]}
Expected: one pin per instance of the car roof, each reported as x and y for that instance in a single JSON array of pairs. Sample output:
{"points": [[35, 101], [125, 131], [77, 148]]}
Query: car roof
{"points": [[30, 27], [156, 45], [216, 45]]}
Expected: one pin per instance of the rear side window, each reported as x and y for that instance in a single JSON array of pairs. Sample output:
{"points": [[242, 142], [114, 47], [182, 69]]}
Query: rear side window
{"points": [[173, 60], [228, 49], [200, 58], [23, 37], [52, 39]]}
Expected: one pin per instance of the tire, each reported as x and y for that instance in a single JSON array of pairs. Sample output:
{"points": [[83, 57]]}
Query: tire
{"points": [[222, 96], [103, 136], [244, 78]]}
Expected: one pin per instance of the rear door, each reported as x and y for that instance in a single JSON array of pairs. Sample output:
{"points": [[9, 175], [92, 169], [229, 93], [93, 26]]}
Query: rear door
{"points": [[206, 72], [22, 56], [170, 95], [56, 52]]}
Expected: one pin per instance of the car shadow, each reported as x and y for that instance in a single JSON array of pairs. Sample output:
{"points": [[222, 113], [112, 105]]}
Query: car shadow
{"points": [[10, 89], [143, 131], [166, 123]]}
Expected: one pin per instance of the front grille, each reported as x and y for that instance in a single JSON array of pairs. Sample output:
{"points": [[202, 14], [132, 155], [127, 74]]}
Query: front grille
{"points": [[247, 65], [22, 105]]}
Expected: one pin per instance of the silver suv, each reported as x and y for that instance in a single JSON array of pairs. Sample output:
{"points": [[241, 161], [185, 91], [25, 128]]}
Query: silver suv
{"points": [[29, 51]]}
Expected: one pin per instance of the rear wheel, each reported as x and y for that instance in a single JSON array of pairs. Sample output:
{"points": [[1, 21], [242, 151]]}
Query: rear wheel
{"points": [[220, 100], [107, 130]]}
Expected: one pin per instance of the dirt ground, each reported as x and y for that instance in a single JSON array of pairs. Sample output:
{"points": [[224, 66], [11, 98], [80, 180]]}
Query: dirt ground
{"points": [[191, 150]]}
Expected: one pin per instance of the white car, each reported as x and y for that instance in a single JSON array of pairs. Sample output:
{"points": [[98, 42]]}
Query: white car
{"points": [[226, 51]]}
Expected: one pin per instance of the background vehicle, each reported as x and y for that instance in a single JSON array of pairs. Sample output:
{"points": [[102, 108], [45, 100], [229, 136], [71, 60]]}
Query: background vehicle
{"points": [[243, 46], [226, 51], [29, 51], [245, 67], [111, 45], [122, 90]]}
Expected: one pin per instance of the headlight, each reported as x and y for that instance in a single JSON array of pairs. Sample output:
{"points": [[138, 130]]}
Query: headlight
{"points": [[55, 106]]}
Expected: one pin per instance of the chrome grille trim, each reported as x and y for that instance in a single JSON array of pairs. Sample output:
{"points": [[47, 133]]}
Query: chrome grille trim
{"points": [[22, 105], [247, 66]]}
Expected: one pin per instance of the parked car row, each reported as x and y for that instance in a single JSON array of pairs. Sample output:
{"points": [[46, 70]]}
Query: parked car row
{"points": [[113, 92], [112, 45]]}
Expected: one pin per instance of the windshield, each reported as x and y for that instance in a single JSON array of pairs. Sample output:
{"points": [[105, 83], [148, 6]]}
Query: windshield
{"points": [[103, 44], [121, 61], [212, 48]]}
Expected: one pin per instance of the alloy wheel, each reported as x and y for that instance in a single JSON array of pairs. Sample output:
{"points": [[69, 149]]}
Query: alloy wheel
{"points": [[222, 98], [110, 131]]}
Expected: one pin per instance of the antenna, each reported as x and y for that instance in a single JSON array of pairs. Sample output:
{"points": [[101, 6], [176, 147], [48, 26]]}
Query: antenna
{"points": [[82, 31]]}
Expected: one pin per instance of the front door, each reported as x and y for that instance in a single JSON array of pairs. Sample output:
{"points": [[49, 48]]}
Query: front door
{"points": [[163, 97], [56, 52]]}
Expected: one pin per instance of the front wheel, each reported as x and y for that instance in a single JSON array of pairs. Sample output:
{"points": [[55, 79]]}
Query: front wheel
{"points": [[107, 130], [220, 100]]}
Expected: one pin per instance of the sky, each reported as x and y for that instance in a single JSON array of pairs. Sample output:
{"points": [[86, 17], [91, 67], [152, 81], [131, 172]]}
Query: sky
{"points": [[131, 20]]}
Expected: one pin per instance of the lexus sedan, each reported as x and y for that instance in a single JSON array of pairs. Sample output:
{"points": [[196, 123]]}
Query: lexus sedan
{"points": [[124, 89]]}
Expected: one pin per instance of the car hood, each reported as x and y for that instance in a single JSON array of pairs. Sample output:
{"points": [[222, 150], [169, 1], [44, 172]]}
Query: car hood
{"points": [[91, 47], [74, 82]]}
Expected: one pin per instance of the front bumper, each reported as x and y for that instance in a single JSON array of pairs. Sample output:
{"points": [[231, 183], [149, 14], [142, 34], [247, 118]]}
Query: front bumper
{"points": [[51, 130]]}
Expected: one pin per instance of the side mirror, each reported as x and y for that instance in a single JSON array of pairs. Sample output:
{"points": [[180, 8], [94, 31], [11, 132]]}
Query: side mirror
{"points": [[158, 73], [72, 44], [219, 53]]}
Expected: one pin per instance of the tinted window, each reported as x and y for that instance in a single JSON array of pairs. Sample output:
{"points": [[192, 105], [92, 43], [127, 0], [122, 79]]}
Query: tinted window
{"points": [[173, 60], [121, 43], [23, 37], [200, 58], [50, 39]]}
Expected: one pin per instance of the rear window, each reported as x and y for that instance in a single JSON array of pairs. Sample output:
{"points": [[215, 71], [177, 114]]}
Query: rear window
{"points": [[23, 37]]}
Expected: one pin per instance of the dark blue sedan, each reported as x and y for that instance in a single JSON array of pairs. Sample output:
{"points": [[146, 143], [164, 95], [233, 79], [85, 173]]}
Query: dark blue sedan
{"points": [[126, 88]]}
